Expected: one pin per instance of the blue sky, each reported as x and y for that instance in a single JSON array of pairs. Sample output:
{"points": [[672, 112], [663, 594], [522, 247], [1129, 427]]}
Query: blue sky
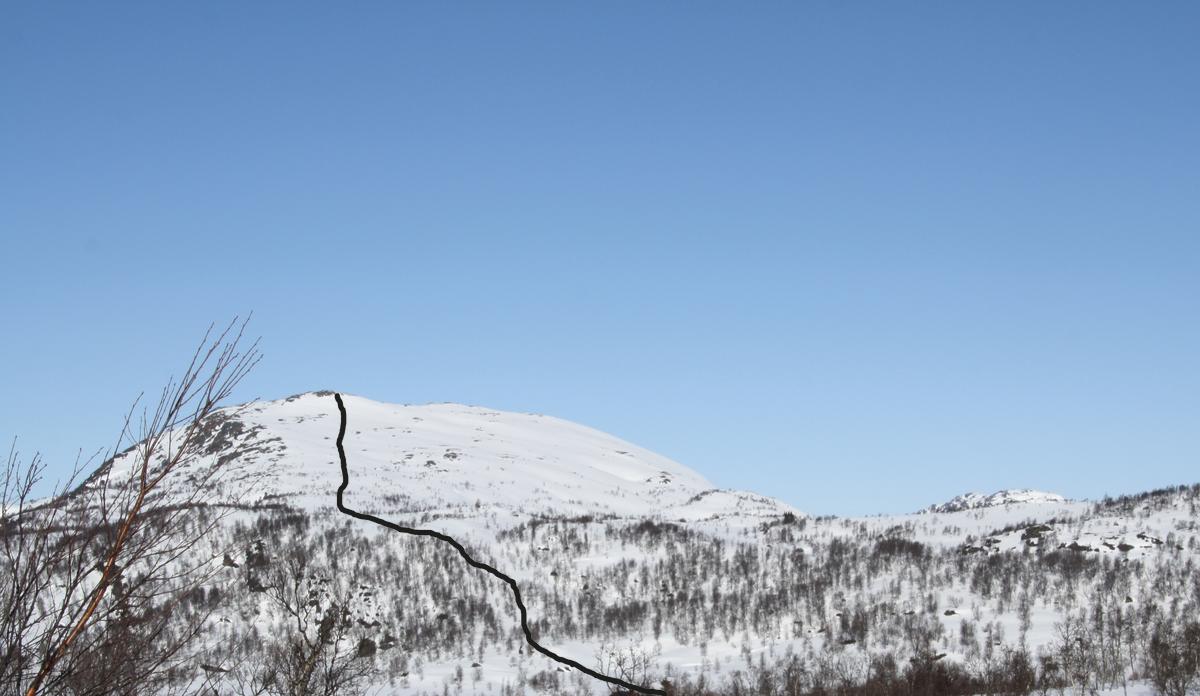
{"points": [[862, 257]]}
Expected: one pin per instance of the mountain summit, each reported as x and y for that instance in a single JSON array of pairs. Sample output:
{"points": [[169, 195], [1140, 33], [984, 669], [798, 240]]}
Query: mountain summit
{"points": [[972, 501], [443, 458]]}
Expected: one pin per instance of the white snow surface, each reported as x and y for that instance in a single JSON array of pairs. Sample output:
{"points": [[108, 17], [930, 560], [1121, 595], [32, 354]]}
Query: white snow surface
{"points": [[1015, 496], [471, 471], [450, 457]]}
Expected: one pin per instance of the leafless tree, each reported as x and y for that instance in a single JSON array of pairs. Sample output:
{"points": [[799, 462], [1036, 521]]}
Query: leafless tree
{"points": [[631, 664], [313, 653], [96, 576], [1173, 659]]}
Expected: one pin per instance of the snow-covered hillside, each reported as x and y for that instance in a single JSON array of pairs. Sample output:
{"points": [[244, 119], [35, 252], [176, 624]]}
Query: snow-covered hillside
{"points": [[442, 457], [617, 548], [1017, 496]]}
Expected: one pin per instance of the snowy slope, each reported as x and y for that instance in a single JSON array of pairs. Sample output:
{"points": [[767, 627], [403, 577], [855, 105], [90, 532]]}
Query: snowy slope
{"points": [[1016, 496], [597, 530], [450, 457]]}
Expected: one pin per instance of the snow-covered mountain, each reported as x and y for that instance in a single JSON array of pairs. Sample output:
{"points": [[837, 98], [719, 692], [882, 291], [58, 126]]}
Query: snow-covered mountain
{"points": [[972, 501], [616, 548], [438, 458]]}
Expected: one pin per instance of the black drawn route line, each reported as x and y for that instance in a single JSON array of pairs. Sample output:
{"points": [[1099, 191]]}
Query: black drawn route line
{"points": [[474, 563]]}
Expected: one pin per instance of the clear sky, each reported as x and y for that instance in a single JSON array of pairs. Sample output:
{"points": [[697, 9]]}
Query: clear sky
{"points": [[859, 256]]}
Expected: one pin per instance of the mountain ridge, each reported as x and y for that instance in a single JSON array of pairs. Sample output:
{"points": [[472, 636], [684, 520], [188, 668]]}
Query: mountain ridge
{"points": [[448, 456], [1007, 496]]}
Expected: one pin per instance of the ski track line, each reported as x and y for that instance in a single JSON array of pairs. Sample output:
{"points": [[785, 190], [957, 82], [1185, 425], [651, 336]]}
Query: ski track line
{"points": [[475, 564]]}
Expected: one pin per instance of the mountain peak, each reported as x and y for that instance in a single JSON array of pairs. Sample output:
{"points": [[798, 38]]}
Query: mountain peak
{"points": [[448, 459], [1013, 496]]}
